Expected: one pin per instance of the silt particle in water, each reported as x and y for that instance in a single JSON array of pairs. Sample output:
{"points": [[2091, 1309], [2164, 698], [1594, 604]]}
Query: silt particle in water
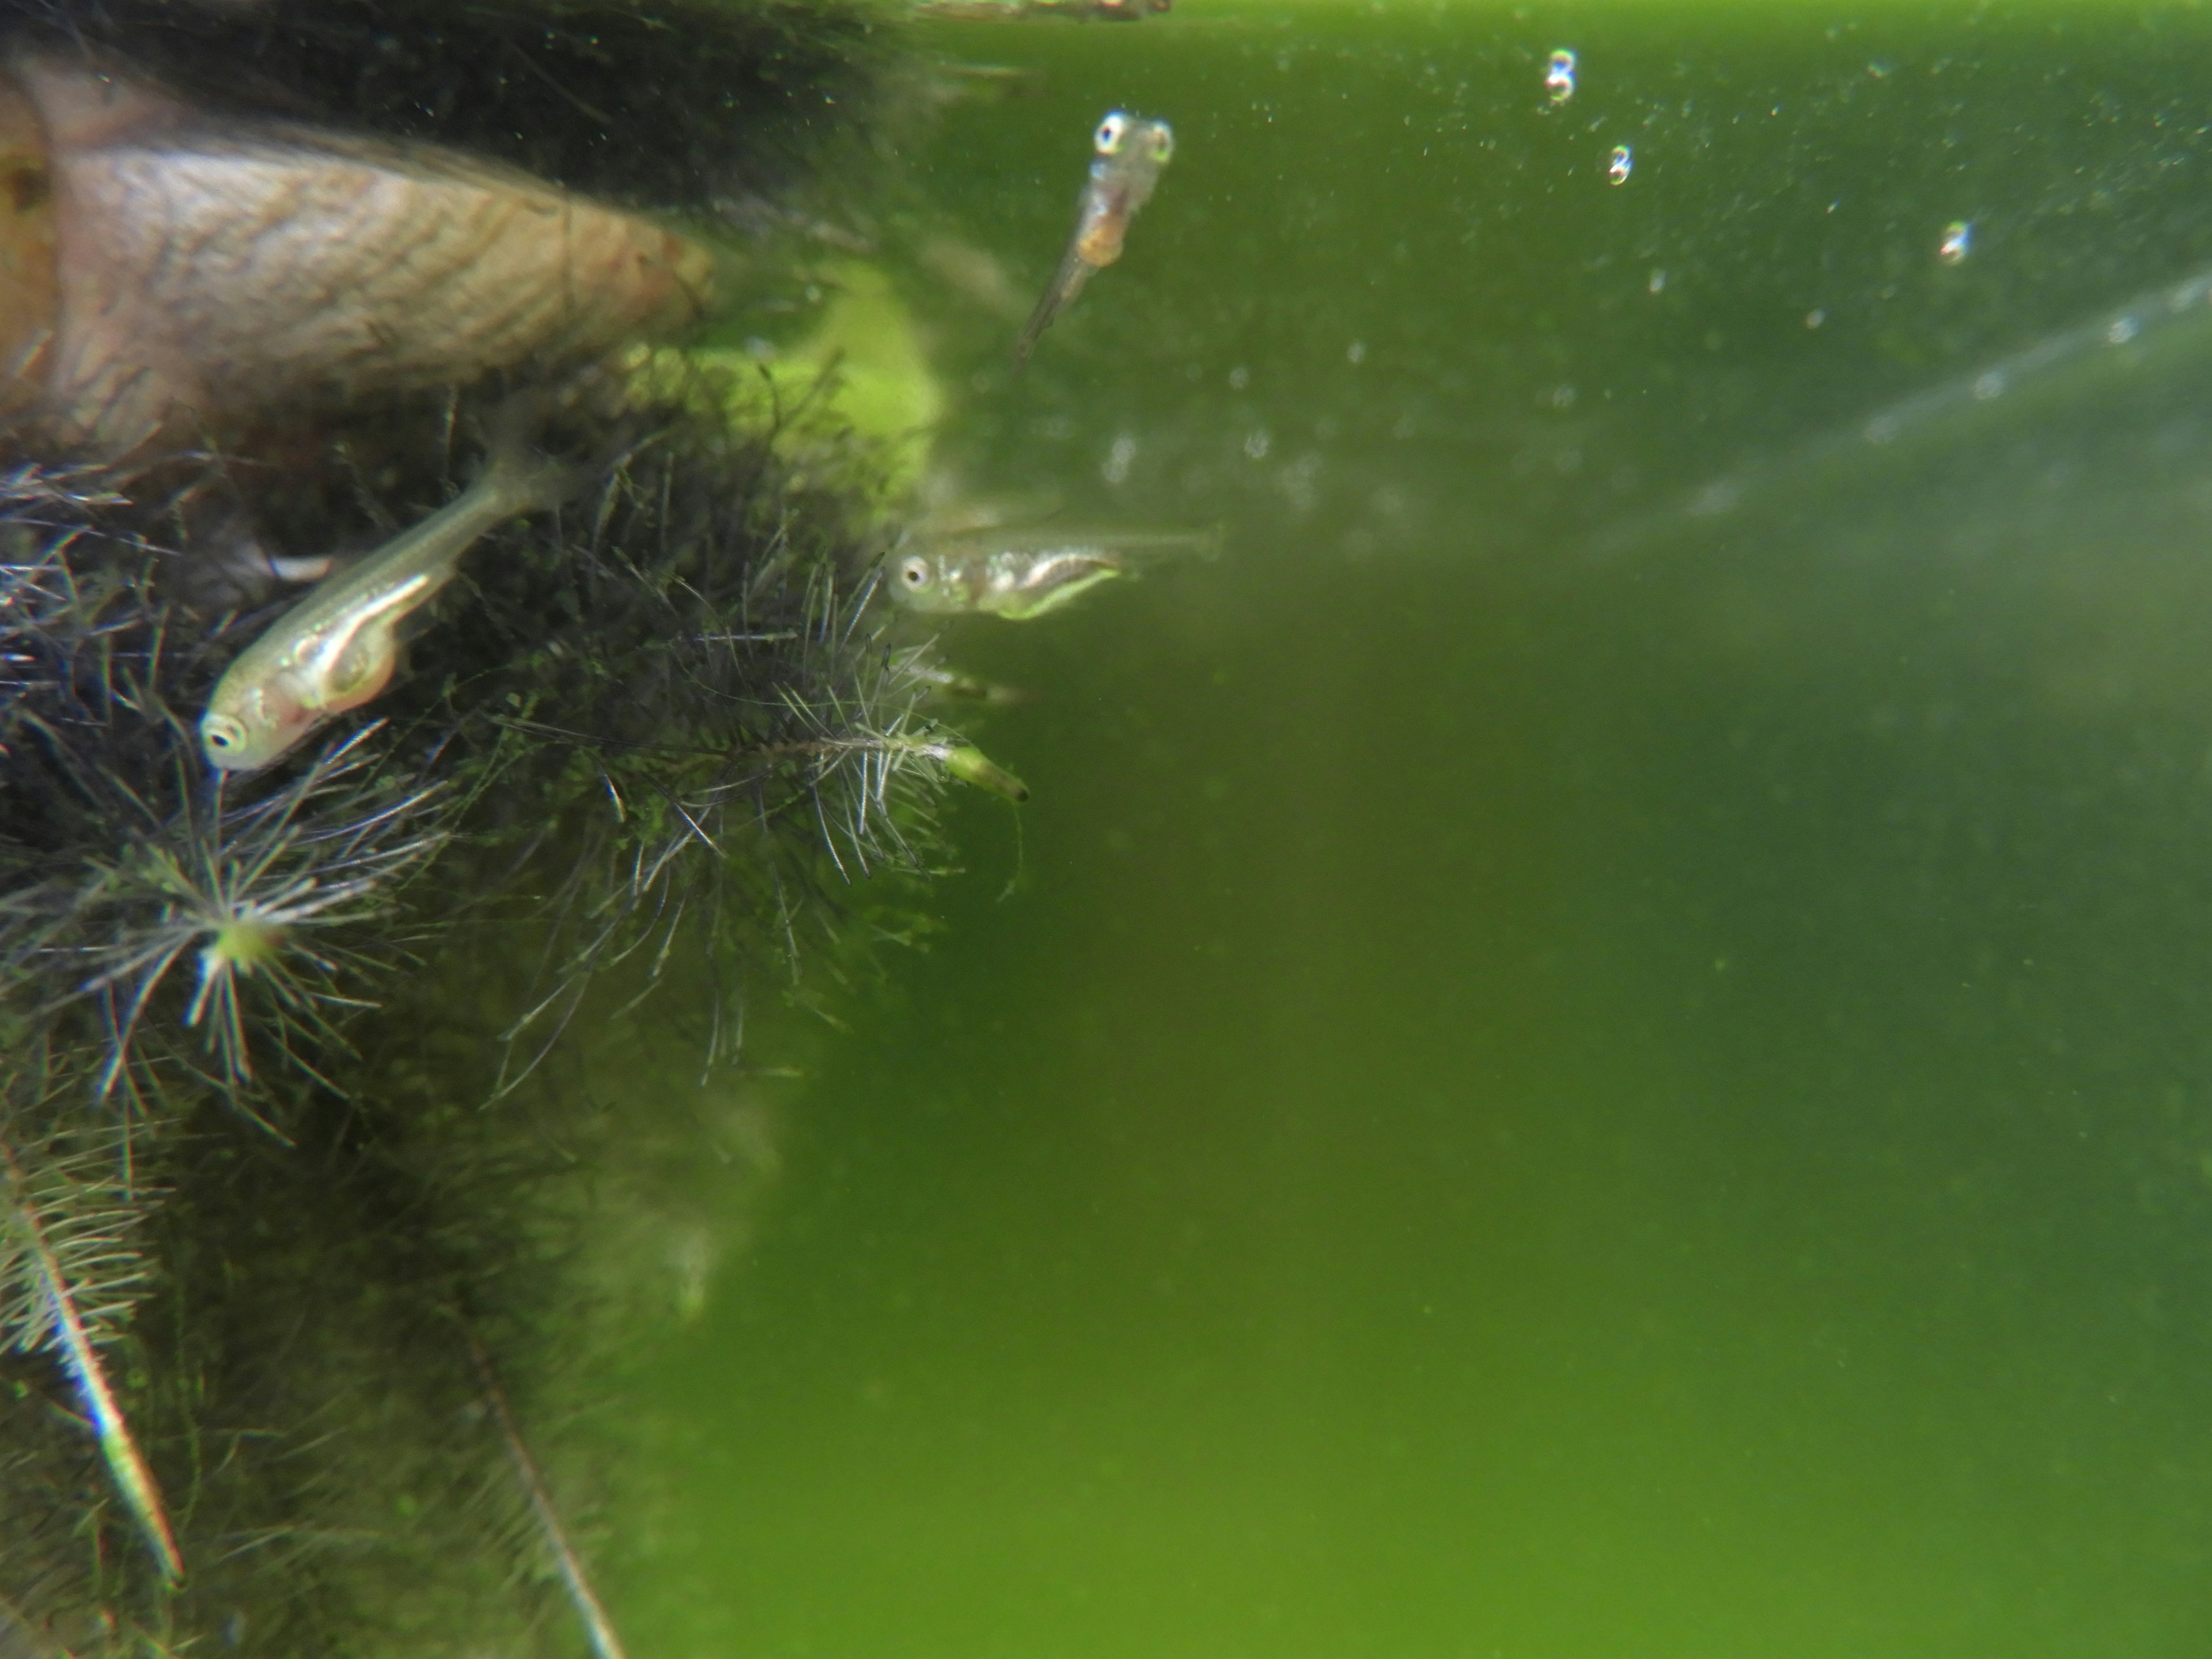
{"points": [[1116, 467]]}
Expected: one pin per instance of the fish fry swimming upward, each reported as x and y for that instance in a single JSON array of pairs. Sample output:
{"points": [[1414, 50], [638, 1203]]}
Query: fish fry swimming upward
{"points": [[1130, 151]]}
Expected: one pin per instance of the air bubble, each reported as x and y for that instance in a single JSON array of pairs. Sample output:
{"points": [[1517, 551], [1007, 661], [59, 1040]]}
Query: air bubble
{"points": [[1560, 75]]}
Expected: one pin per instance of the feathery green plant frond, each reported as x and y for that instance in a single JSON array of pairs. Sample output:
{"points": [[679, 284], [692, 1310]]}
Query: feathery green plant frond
{"points": [[72, 591], [71, 1273], [244, 919], [590, 1611], [685, 683], [77, 1222]]}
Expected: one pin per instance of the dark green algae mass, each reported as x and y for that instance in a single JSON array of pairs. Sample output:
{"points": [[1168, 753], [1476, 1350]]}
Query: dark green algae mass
{"points": [[670, 103], [298, 1188]]}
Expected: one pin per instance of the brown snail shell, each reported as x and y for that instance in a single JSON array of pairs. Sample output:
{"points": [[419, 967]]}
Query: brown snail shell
{"points": [[189, 273], [27, 251]]}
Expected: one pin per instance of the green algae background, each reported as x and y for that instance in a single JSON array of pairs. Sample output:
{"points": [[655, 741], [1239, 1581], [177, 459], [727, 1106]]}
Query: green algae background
{"points": [[1564, 1061]]}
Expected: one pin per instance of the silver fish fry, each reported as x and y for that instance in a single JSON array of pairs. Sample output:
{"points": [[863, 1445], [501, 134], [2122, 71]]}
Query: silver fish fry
{"points": [[1020, 574], [339, 648]]}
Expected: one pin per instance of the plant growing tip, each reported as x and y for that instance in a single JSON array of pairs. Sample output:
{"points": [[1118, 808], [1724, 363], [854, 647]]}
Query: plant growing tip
{"points": [[971, 765]]}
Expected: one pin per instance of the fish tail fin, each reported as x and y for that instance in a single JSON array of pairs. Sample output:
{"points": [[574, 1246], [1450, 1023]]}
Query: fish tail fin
{"points": [[1067, 283], [1142, 551], [519, 472]]}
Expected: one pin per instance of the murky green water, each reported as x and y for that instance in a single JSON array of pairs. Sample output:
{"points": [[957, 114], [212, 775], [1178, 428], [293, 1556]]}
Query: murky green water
{"points": [[1561, 1075]]}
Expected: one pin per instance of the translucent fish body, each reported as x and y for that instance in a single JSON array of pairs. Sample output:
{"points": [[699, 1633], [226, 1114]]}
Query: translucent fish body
{"points": [[1018, 574], [337, 648], [1130, 151]]}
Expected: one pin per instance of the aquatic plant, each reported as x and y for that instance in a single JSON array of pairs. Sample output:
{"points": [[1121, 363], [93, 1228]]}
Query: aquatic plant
{"points": [[667, 727], [267, 903], [141, 896], [679, 104], [683, 682], [290, 1211], [69, 1276]]}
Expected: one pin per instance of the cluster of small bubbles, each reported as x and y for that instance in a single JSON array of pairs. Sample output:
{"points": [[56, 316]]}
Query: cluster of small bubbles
{"points": [[1958, 242], [1562, 397], [1116, 467], [1656, 283], [1620, 164], [1258, 442], [1560, 75], [1989, 385], [1239, 378], [1815, 317], [2123, 329], [1356, 353]]}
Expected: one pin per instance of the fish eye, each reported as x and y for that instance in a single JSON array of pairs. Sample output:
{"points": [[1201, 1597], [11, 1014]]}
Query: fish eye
{"points": [[222, 734], [1110, 131], [915, 573], [1162, 141]]}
